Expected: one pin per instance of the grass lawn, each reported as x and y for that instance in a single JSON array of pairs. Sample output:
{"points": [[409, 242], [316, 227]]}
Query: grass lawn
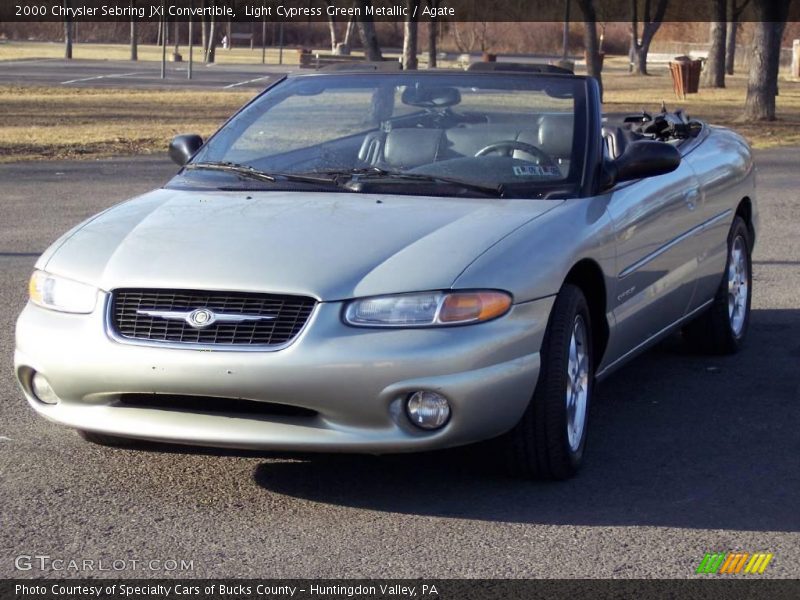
{"points": [[624, 92], [42, 123], [240, 55], [243, 55], [70, 122]]}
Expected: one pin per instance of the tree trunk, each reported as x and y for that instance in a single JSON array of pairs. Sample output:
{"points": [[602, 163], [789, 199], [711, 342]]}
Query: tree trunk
{"points": [[67, 34], [410, 37], [366, 30], [204, 34], [762, 83], [590, 42], [134, 42], [730, 46], [332, 29], [134, 39], [211, 52], [640, 58], [714, 69], [643, 47], [348, 34], [432, 32], [640, 48]]}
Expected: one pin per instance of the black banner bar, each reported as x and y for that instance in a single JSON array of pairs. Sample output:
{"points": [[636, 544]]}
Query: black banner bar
{"points": [[705, 587], [377, 10]]}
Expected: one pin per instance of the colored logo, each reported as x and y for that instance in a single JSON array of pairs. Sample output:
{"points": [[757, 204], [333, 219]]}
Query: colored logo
{"points": [[735, 563]]}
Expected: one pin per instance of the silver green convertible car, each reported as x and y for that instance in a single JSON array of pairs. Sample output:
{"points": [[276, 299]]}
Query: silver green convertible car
{"points": [[383, 261]]}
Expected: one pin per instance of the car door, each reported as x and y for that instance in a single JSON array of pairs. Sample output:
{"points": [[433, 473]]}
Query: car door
{"points": [[655, 221], [722, 163]]}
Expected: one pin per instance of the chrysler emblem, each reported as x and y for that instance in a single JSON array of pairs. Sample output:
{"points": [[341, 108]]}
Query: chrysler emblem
{"points": [[202, 317]]}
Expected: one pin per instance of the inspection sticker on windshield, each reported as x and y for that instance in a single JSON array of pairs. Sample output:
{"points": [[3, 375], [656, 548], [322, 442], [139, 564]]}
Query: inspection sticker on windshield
{"points": [[536, 171]]}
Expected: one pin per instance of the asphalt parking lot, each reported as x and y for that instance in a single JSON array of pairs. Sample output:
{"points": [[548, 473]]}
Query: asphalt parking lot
{"points": [[687, 454], [140, 75]]}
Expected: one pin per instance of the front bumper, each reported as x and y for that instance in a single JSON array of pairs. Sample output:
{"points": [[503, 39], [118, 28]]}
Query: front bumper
{"points": [[355, 379]]}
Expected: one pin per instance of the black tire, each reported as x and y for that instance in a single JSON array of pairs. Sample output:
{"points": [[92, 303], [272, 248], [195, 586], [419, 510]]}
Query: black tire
{"points": [[102, 439], [539, 446], [716, 331]]}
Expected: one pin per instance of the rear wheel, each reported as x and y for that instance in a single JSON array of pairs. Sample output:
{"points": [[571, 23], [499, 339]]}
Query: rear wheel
{"points": [[549, 440], [722, 328]]}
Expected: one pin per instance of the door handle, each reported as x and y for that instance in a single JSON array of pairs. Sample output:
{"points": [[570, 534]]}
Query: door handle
{"points": [[691, 197]]}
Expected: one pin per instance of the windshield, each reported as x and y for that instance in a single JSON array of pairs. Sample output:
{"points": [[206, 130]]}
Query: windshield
{"points": [[513, 135]]}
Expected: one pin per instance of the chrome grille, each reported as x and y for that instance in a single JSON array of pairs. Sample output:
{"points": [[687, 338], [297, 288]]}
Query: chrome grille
{"points": [[284, 317]]}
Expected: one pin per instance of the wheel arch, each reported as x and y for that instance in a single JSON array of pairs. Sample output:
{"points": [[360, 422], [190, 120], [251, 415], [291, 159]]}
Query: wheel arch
{"points": [[589, 277], [745, 211]]}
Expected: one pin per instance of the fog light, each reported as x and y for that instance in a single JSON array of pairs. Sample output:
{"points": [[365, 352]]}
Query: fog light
{"points": [[428, 410], [42, 390]]}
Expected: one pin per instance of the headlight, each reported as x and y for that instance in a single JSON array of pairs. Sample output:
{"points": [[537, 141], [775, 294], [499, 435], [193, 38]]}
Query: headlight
{"points": [[427, 309], [58, 293]]}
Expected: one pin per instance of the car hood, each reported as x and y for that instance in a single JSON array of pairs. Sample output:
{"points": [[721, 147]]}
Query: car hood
{"points": [[327, 245]]}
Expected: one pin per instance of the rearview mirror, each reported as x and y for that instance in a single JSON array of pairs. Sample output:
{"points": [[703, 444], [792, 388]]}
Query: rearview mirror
{"points": [[183, 147], [644, 158]]}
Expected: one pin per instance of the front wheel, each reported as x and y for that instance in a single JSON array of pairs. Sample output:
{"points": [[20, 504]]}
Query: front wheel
{"points": [[722, 328], [549, 440]]}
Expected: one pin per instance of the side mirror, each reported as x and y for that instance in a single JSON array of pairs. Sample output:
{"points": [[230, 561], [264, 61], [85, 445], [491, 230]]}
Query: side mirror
{"points": [[644, 158], [183, 147]]}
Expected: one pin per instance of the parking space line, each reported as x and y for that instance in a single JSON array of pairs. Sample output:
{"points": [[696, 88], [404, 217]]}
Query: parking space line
{"points": [[111, 76], [233, 85]]}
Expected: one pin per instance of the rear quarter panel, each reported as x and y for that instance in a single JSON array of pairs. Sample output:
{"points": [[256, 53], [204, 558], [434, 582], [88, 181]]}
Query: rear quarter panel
{"points": [[725, 169]]}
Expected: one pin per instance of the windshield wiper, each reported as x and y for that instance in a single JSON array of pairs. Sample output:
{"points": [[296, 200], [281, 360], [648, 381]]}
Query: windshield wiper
{"points": [[354, 176], [253, 173]]}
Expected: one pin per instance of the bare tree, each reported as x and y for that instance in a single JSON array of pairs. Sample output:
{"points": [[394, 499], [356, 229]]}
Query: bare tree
{"points": [[366, 30], [331, 26], [68, 30], [410, 36], [641, 46], [348, 34], [714, 69], [211, 49], [762, 83], [204, 33], [433, 31], [470, 35], [735, 13], [593, 66], [134, 36]]}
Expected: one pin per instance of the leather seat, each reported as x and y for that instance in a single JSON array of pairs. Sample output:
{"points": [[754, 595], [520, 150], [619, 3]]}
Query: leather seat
{"points": [[412, 147], [615, 140], [555, 135]]}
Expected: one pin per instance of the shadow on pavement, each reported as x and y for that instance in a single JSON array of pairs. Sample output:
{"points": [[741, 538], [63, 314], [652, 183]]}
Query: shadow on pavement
{"points": [[677, 440]]}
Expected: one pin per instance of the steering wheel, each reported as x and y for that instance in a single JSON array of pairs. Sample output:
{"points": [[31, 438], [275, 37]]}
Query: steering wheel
{"points": [[507, 147]]}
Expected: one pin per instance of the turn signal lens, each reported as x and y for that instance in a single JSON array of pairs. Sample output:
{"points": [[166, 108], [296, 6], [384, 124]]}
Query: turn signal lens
{"points": [[474, 306], [428, 309]]}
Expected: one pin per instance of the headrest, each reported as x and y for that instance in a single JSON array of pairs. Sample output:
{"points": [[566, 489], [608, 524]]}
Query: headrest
{"points": [[412, 147], [555, 134]]}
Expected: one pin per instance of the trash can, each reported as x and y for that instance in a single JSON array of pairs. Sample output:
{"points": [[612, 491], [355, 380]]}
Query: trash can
{"points": [[488, 57], [304, 57], [685, 75]]}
